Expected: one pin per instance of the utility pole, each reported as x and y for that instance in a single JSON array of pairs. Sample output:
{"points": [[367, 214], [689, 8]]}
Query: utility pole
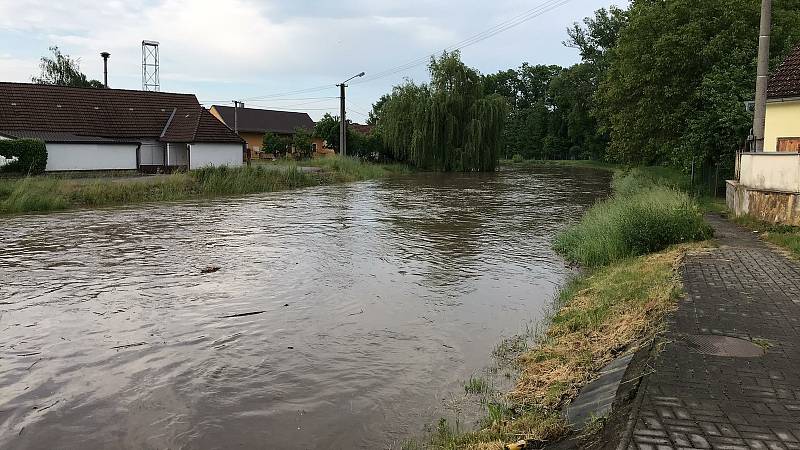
{"points": [[342, 116], [762, 79], [342, 124]]}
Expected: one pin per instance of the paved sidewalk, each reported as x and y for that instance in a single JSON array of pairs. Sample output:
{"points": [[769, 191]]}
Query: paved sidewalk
{"points": [[743, 289]]}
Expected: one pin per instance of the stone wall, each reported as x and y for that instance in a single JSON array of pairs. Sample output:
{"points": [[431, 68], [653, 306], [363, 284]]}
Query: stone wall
{"points": [[769, 206]]}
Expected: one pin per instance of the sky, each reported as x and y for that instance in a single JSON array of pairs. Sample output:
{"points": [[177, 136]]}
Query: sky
{"points": [[263, 52]]}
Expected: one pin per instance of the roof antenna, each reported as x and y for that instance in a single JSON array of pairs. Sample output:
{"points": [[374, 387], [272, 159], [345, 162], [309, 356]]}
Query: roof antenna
{"points": [[105, 56]]}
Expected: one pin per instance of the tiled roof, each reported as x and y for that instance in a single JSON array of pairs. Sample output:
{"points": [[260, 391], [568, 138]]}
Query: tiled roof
{"points": [[361, 128], [57, 136], [210, 129], [108, 113], [785, 83], [253, 120]]}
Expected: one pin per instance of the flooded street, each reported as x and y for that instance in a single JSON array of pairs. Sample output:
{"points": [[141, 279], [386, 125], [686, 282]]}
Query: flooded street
{"points": [[340, 317]]}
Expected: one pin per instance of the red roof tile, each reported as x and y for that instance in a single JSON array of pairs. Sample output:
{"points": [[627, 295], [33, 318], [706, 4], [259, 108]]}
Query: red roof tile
{"points": [[108, 113], [785, 83]]}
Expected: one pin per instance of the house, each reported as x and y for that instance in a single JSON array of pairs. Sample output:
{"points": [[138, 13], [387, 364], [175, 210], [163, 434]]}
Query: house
{"points": [[767, 184], [361, 128], [116, 129], [253, 123], [782, 131]]}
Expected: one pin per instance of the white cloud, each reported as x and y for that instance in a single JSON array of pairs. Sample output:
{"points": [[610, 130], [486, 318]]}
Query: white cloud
{"points": [[245, 48], [16, 69]]}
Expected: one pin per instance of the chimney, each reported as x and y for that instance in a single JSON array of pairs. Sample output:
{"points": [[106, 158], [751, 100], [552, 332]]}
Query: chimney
{"points": [[105, 56]]}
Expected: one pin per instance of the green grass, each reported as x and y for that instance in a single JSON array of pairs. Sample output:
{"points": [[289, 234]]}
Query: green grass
{"points": [[647, 213], [476, 385], [53, 193], [584, 164], [785, 236], [509, 426]]}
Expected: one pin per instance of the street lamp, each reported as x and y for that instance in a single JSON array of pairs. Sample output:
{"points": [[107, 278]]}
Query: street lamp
{"points": [[342, 118]]}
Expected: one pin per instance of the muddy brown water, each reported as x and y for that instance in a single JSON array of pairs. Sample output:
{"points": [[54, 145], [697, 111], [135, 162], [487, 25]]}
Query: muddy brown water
{"points": [[373, 303]]}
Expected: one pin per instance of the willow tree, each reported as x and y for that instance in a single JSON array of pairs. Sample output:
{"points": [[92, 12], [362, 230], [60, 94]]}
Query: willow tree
{"points": [[447, 125]]}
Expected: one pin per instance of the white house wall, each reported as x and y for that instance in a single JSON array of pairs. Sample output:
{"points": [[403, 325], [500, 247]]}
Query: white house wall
{"points": [[91, 156], [201, 155]]}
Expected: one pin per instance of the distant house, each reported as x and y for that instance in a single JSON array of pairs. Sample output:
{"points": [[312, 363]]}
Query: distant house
{"points": [[363, 129], [113, 129], [767, 184], [253, 124], [782, 132]]}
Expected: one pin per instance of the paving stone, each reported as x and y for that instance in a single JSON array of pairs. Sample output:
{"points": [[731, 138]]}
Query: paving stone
{"points": [[741, 289]]}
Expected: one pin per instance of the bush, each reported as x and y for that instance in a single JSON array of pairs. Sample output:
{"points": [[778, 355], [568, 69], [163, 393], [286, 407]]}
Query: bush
{"points": [[31, 156], [517, 158], [633, 224]]}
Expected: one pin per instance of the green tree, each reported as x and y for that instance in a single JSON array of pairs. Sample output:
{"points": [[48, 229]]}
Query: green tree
{"points": [[597, 36], [678, 75], [61, 70], [450, 124], [377, 108], [301, 142], [275, 144], [327, 129]]}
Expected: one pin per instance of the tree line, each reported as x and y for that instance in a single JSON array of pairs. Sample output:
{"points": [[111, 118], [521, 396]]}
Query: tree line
{"points": [[659, 82]]}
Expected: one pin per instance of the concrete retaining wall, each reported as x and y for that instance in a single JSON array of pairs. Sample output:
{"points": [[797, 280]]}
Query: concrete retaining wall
{"points": [[766, 205]]}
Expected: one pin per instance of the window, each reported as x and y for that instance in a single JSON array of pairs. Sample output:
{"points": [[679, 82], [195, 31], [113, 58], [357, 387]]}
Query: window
{"points": [[313, 147], [789, 144]]}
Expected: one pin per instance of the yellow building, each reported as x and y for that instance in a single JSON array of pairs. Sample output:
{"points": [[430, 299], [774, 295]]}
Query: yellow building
{"points": [[767, 184], [782, 131], [253, 123]]}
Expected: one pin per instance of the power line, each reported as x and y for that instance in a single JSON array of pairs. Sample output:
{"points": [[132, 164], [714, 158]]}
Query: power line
{"points": [[537, 11], [350, 105], [501, 27], [277, 100], [289, 93], [272, 105]]}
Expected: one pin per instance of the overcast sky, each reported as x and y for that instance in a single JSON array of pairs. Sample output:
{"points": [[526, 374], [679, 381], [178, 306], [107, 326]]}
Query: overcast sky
{"points": [[222, 50]]}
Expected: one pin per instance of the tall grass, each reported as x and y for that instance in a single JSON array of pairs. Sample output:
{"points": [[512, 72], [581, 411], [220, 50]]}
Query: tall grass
{"points": [[647, 213], [32, 195], [51, 193]]}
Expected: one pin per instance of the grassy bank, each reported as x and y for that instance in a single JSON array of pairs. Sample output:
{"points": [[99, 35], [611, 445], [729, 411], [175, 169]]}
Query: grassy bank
{"points": [[583, 164], [54, 193], [648, 213], [630, 246], [784, 236]]}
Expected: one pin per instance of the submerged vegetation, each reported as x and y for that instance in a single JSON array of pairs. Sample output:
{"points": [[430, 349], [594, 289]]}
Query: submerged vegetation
{"points": [[53, 193]]}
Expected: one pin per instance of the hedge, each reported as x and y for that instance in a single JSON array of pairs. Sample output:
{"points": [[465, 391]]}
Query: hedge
{"points": [[31, 156]]}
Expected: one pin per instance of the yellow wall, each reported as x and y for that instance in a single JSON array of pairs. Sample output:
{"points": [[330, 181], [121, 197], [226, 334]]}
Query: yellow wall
{"points": [[254, 140], [783, 120]]}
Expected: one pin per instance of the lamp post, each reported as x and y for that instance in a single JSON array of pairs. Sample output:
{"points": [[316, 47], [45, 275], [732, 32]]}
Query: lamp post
{"points": [[343, 118]]}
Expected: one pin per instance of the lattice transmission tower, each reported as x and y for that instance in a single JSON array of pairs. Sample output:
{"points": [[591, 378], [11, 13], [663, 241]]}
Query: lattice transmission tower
{"points": [[150, 77]]}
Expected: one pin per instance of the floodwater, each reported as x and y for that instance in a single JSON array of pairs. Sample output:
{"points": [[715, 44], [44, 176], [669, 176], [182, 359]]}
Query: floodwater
{"points": [[340, 317]]}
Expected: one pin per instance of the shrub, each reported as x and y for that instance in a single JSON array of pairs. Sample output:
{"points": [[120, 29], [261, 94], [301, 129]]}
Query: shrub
{"points": [[635, 224], [31, 156], [641, 178], [517, 158]]}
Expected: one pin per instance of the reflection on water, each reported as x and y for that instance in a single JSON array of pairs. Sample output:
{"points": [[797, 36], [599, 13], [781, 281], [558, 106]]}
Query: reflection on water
{"points": [[374, 300]]}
